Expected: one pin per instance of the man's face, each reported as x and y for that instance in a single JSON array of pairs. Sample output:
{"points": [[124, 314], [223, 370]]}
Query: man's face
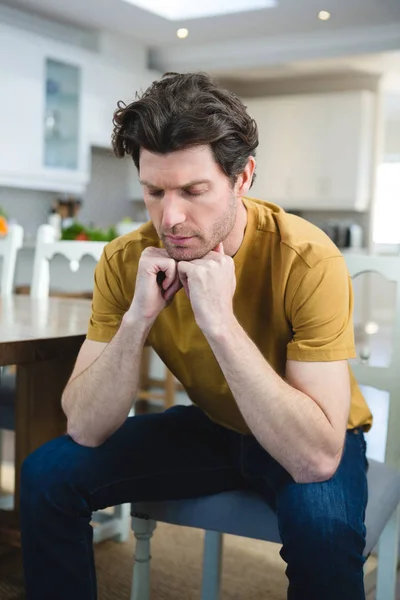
{"points": [[190, 200]]}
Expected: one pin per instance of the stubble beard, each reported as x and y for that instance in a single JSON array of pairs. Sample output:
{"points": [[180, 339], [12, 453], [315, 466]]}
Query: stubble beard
{"points": [[220, 231]]}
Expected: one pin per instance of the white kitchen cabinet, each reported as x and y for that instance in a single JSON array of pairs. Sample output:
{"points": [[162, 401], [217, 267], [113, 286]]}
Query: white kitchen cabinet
{"points": [[315, 151], [272, 173], [106, 85], [57, 101], [25, 111], [350, 144], [21, 105]]}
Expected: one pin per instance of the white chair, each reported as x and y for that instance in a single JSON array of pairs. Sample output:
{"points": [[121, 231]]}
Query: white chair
{"points": [[247, 514], [47, 246], [372, 304], [9, 246], [380, 377]]}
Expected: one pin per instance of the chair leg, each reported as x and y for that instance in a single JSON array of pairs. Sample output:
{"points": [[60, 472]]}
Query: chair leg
{"points": [[143, 530], [387, 559], [212, 566], [122, 513], [112, 526]]}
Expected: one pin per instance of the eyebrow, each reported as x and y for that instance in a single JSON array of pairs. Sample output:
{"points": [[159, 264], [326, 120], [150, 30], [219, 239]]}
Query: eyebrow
{"points": [[181, 187]]}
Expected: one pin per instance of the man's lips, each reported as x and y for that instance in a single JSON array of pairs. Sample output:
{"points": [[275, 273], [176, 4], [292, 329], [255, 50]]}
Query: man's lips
{"points": [[176, 239]]}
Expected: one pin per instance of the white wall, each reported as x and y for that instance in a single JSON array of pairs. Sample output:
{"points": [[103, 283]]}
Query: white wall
{"points": [[108, 196]]}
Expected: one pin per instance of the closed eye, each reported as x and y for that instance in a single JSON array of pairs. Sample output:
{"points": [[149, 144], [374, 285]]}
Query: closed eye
{"points": [[192, 194], [188, 193], [155, 193]]}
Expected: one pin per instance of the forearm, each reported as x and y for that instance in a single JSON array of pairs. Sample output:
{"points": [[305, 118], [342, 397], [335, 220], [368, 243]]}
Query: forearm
{"points": [[288, 424], [99, 399]]}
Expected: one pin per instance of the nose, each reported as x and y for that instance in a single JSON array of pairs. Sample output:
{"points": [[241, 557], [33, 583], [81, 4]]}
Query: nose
{"points": [[172, 212]]}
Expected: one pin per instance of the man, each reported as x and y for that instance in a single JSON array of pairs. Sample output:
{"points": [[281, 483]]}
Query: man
{"points": [[259, 336]]}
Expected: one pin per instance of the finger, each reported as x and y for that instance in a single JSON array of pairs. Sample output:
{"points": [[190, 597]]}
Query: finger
{"points": [[172, 290], [185, 268], [169, 274]]}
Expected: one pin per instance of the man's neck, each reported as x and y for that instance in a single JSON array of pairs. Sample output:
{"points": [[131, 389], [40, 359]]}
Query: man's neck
{"points": [[235, 238]]}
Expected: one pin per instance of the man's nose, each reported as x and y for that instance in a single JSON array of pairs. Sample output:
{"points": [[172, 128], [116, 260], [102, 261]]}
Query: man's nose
{"points": [[172, 212]]}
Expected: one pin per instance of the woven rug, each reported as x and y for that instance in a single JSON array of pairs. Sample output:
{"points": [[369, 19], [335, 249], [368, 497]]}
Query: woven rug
{"points": [[252, 570]]}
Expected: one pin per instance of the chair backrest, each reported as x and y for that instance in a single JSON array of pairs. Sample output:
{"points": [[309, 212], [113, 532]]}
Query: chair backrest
{"points": [[47, 246], [9, 246], [369, 368]]}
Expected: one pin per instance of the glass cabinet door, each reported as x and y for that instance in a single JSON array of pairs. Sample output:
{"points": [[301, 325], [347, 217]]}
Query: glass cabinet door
{"points": [[61, 147]]}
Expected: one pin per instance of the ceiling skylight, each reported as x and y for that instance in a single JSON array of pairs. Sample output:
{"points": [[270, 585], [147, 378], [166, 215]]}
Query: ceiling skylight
{"points": [[178, 10]]}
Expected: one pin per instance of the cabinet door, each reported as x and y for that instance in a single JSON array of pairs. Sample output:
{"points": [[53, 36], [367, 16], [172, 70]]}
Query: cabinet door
{"points": [[273, 170], [62, 115], [65, 146], [25, 159], [105, 86], [21, 106], [348, 149], [315, 150], [307, 128]]}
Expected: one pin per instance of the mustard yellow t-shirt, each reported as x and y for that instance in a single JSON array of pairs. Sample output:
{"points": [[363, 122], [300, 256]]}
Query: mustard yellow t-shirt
{"points": [[293, 298]]}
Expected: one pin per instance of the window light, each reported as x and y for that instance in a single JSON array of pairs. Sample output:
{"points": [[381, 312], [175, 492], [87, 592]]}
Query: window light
{"points": [[387, 211], [178, 10]]}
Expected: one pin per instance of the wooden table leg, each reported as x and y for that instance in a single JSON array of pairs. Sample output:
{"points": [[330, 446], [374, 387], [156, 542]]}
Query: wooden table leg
{"points": [[39, 416], [38, 419]]}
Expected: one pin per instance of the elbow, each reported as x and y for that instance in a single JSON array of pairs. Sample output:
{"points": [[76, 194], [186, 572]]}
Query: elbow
{"points": [[79, 434], [84, 439], [317, 471], [82, 435]]}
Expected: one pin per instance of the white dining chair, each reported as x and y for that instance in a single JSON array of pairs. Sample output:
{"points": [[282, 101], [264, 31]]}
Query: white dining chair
{"points": [[247, 514], [48, 246], [9, 247]]}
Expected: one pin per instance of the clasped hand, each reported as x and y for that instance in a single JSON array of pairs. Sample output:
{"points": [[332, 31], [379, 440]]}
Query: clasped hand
{"points": [[209, 283]]}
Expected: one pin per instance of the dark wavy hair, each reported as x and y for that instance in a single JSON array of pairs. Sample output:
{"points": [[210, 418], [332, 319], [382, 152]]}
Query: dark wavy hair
{"points": [[184, 110]]}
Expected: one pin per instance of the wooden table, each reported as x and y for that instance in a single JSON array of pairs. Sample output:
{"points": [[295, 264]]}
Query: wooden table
{"points": [[42, 337]]}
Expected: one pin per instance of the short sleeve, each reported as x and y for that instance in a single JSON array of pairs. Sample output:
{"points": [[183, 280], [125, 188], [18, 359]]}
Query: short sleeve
{"points": [[109, 304], [321, 314]]}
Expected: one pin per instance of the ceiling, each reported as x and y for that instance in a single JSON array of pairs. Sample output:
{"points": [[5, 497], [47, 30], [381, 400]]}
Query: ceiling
{"points": [[258, 42], [290, 16]]}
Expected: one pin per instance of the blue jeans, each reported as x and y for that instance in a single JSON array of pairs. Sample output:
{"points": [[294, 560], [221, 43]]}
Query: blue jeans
{"points": [[182, 454]]}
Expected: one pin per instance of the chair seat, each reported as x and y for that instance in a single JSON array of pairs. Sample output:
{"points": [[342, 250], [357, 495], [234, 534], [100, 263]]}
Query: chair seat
{"points": [[247, 514]]}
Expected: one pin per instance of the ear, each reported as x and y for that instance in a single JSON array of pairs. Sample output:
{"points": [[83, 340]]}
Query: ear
{"points": [[244, 180]]}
